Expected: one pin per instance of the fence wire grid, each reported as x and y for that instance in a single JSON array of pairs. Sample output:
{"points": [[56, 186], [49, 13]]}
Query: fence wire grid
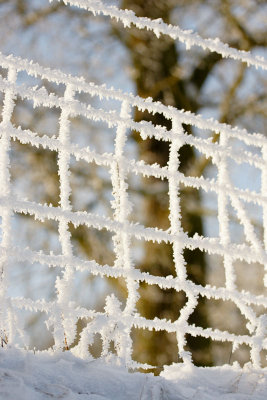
{"points": [[116, 322]]}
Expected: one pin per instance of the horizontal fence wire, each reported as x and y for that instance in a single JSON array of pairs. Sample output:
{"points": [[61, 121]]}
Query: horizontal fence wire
{"points": [[159, 27], [116, 324]]}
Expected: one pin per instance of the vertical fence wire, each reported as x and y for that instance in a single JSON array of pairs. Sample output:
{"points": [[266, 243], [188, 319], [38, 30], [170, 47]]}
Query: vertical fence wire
{"points": [[64, 324], [7, 317]]}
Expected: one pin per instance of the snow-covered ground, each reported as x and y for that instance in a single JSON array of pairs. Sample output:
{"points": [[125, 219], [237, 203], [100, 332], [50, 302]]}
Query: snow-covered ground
{"points": [[42, 376]]}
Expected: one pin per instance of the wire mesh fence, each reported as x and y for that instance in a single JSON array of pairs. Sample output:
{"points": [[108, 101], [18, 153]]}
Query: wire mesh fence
{"points": [[116, 322]]}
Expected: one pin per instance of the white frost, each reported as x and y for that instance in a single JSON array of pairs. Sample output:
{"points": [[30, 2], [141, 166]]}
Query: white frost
{"points": [[114, 323]]}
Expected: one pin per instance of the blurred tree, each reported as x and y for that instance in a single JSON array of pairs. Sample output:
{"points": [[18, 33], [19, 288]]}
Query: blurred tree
{"points": [[162, 69]]}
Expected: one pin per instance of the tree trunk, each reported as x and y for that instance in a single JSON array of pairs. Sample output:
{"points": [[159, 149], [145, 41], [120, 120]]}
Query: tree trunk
{"points": [[155, 63]]}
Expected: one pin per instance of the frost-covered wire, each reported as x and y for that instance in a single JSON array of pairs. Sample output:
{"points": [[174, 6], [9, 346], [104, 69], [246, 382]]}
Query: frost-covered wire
{"points": [[114, 323], [65, 327], [6, 316], [159, 27]]}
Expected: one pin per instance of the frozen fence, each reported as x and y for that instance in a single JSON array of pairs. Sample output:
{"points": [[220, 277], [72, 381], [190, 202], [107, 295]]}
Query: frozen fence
{"points": [[115, 324]]}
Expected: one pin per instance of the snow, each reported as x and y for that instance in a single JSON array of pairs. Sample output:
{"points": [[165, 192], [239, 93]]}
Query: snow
{"points": [[48, 375]]}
